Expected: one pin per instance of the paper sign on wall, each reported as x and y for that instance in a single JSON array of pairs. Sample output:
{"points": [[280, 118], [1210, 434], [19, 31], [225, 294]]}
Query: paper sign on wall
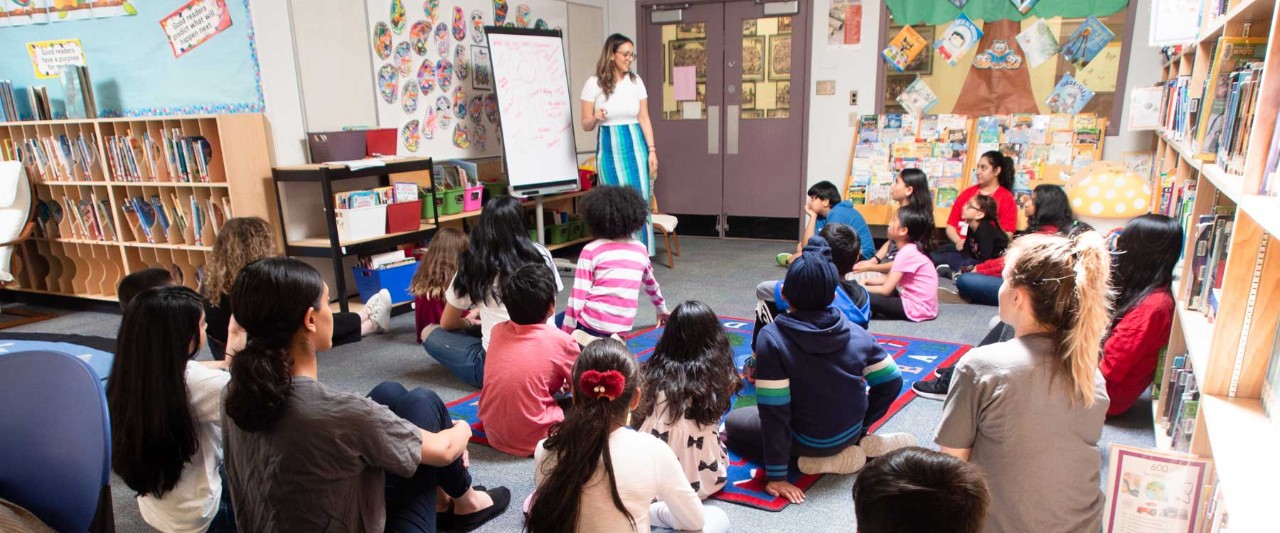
{"points": [[686, 81], [194, 23], [48, 57]]}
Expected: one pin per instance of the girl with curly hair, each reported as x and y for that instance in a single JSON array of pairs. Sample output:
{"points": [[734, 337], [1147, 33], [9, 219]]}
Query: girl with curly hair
{"points": [[691, 381], [613, 269], [244, 240]]}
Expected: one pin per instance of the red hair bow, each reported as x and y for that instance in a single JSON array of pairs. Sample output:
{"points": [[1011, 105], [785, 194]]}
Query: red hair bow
{"points": [[607, 385]]}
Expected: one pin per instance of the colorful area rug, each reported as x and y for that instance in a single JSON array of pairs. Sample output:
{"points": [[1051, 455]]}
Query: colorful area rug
{"points": [[916, 358]]}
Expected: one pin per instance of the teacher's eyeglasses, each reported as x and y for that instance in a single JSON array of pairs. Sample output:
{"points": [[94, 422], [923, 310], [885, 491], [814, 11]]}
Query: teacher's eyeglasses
{"points": [[628, 55]]}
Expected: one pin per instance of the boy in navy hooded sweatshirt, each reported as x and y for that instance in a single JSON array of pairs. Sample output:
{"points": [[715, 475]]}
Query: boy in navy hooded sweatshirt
{"points": [[813, 371]]}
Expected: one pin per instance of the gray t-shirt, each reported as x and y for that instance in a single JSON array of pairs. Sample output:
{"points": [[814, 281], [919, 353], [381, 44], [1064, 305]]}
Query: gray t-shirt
{"points": [[1038, 450], [322, 466]]}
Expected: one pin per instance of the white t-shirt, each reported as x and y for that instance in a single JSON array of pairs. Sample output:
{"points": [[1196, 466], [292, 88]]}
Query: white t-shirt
{"points": [[195, 499], [493, 313], [645, 468], [623, 107]]}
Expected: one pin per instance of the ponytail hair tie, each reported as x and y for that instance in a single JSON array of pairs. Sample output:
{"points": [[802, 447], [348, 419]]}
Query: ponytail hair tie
{"points": [[606, 385]]}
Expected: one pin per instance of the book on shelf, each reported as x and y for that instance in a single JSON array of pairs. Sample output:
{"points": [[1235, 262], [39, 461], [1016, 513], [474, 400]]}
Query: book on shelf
{"points": [[1155, 491], [146, 216], [1212, 236], [197, 220], [1270, 396], [103, 214], [1231, 54], [1238, 118], [180, 217], [1176, 108], [38, 99], [1215, 514], [162, 214], [135, 225]]}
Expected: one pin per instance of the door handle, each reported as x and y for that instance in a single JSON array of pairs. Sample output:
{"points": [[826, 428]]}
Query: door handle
{"points": [[731, 130], [713, 129]]}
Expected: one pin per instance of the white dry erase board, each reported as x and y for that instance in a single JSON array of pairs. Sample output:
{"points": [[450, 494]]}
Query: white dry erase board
{"points": [[531, 79]]}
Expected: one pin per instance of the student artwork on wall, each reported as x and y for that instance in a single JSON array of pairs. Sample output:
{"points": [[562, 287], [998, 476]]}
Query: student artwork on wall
{"points": [[28, 12], [431, 66]]}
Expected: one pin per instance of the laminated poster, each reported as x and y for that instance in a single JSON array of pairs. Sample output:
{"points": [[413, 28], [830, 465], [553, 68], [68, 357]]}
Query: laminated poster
{"points": [[194, 23], [1153, 491], [1038, 43], [48, 57], [960, 37], [903, 48], [844, 22]]}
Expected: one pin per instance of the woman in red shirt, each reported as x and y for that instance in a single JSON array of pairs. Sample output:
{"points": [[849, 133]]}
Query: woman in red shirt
{"points": [[1142, 276], [995, 179]]}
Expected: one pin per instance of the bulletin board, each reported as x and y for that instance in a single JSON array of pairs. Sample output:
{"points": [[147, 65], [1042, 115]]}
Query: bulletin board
{"points": [[134, 68], [1018, 64], [434, 83]]}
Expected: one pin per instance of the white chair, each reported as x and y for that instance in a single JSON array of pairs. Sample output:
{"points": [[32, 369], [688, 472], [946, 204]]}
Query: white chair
{"points": [[666, 225], [17, 217]]}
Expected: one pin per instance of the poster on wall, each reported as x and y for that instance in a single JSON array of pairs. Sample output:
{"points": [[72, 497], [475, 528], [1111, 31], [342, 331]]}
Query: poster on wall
{"points": [[844, 23], [1174, 21], [1154, 491], [48, 57], [27, 12], [191, 25]]}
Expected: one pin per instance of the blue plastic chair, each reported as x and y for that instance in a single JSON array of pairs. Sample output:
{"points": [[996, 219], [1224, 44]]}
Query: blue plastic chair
{"points": [[55, 438]]}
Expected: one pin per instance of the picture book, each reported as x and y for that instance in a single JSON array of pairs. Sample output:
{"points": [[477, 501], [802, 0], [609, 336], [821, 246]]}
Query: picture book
{"points": [[197, 220], [917, 98], [903, 48], [1086, 42], [135, 227], [88, 220], [960, 37], [216, 216], [1069, 96], [1232, 53], [104, 220], [179, 217], [162, 214], [1038, 43], [146, 215], [1023, 6]]}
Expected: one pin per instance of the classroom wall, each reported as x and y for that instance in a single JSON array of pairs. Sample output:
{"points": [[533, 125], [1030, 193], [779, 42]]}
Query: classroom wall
{"points": [[1143, 71]]}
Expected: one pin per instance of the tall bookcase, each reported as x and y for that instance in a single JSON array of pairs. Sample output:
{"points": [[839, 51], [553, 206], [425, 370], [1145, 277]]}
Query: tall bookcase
{"points": [[65, 261], [1228, 355]]}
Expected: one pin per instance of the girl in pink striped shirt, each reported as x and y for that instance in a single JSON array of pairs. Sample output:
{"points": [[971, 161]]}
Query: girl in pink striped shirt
{"points": [[613, 269]]}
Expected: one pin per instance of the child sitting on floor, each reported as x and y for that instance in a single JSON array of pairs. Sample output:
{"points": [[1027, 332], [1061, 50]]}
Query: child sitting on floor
{"points": [[432, 278], [580, 486], [823, 207], [613, 268], [147, 278], [823, 418], [911, 188], [984, 240], [690, 380], [528, 361], [910, 290], [914, 489]]}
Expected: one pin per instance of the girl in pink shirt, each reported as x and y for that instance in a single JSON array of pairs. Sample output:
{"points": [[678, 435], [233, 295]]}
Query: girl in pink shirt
{"points": [[910, 291], [432, 278], [613, 269]]}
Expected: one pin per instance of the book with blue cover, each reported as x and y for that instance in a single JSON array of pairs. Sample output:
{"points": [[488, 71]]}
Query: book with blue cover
{"points": [[161, 214]]}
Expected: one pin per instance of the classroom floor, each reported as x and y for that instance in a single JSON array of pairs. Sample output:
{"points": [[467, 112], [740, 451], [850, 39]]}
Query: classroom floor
{"points": [[722, 273]]}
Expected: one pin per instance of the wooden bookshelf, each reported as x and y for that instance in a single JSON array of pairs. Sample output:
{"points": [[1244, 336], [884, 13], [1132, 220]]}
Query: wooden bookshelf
{"points": [[68, 261], [1229, 354]]}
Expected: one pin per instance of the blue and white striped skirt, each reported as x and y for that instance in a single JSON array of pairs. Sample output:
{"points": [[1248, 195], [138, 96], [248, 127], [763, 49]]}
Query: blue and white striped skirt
{"points": [[622, 158]]}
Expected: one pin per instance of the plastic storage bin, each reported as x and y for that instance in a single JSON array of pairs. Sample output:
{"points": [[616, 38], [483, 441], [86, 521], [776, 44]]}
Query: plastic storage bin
{"points": [[404, 216], [395, 280], [557, 233], [497, 189], [577, 228], [533, 235], [428, 207], [472, 199], [361, 223], [449, 201]]}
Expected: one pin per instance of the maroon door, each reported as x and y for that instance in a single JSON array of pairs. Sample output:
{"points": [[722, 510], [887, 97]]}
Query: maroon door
{"points": [[733, 148]]}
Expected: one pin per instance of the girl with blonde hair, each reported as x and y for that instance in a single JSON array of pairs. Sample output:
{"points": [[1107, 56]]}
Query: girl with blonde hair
{"points": [[1029, 411], [243, 240]]}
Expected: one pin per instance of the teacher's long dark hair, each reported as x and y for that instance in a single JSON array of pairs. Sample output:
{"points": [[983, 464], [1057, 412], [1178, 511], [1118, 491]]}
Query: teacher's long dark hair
{"points": [[499, 245], [582, 440], [997, 159], [605, 75], [269, 300], [153, 434]]}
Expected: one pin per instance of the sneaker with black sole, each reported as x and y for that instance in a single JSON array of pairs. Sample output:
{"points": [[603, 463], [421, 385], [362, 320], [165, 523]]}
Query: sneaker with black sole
{"points": [[934, 389], [945, 271]]}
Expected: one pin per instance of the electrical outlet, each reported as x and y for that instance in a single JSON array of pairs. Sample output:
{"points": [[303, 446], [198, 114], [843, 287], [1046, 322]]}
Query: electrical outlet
{"points": [[853, 97]]}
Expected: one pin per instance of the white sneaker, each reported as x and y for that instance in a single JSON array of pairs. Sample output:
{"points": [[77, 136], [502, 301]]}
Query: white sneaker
{"points": [[379, 306], [849, 461], [877, 445]]}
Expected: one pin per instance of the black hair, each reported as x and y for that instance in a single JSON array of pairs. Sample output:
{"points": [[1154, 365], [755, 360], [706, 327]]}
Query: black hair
{"points": [[499, 245], [530, 292], [581, 442], [153, 434], [614, 212], [135, 283], [919, 183], [691, 367], [997, 159], [919, 225], [1146, 253], [269, 299], [846, 246], [825, 190], [1052, 209], [914, 489], [988, 207]]}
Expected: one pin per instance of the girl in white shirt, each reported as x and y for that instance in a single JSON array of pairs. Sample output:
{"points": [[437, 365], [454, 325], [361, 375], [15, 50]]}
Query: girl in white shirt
{"points": [[585, 489], [616, 101], [166, 433]]}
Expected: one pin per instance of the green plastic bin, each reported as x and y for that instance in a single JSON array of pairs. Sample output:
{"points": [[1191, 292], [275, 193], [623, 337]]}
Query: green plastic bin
{"points": [[558, 233], [428, 208], [449, 201], [496, 189], [576, 229], [533, 235]]}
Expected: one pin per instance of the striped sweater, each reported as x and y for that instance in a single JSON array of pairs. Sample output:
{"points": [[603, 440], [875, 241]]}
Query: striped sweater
{"points": [[832, 363], [606, 286]]}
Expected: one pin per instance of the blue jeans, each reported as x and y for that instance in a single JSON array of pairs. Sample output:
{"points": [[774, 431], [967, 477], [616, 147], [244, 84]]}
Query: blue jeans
{"points": [[979, 288], [580, 326], [225, 520], [462, 354], [953, 258], [411, 503]]}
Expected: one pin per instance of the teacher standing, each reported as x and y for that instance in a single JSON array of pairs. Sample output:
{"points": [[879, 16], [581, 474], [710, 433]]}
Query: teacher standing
{"points": [[616, 101]]}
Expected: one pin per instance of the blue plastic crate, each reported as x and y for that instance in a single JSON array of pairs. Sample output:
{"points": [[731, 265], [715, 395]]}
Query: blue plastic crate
{"points": [[395, 280]]}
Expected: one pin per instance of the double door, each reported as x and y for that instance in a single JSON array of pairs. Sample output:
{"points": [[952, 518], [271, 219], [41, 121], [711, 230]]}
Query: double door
{"points": [[727, 85]]}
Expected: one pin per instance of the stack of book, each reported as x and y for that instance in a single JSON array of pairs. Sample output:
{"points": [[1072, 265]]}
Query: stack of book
{"points": [[1209, 259], [8, 106], [38, 99], [53, 158], [1178, 418], [1177, 107], [936, 144], [1036, 142], [1219, 119], [1239, 114]]}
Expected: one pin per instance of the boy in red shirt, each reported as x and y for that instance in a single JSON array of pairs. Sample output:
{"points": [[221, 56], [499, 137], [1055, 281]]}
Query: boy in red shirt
{"points": [[528, 361]]}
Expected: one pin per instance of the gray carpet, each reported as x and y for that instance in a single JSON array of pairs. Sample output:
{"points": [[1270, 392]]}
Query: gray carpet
{"points": [[722, 273]]}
